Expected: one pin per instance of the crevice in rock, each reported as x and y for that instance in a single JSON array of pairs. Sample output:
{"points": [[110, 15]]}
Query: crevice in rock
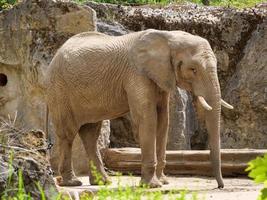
{"points": [[3, 80]]}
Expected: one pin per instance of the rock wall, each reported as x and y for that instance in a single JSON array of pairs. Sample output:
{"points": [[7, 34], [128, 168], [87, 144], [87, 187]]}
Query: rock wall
{"points": [[31, 32], [247, 89], [238, 38], [28, 152]]}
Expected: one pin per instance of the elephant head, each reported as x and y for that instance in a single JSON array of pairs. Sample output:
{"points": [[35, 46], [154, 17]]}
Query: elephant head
{"points": [[177, 58]]}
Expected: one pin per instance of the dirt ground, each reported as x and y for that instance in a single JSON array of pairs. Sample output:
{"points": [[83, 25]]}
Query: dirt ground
{"points": [[235, 188]]}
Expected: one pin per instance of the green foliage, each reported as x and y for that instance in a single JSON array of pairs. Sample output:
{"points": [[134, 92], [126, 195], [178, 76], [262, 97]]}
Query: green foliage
{"points": [[10, 171], [96, 175], [231, 3], [258, 172], [18, 193], [138, 193], [41, 191], [16, 190], [121, 192], [6, 4]]}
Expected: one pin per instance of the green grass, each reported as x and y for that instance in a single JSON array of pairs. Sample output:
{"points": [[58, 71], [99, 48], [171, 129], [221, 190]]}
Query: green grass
{"points": [[138, 193], [121, 193], [17, 191]]}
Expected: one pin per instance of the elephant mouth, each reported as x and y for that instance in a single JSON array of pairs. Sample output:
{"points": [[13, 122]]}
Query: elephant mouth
{"points": [[187, 85], [183, 84]]}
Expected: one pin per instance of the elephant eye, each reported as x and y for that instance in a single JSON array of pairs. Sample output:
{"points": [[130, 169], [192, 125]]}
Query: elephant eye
{"points": [[194, 70]]}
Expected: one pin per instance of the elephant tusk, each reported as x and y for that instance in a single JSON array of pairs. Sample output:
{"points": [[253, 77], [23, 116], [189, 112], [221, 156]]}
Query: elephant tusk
{"points": [[204, 103], [226, 105]]}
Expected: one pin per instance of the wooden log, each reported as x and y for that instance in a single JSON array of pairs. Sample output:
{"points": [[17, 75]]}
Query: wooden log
{"points": [[183, 162]]}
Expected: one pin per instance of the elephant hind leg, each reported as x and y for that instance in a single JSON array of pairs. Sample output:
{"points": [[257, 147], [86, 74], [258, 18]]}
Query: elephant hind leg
{"points": [[66, 130], [64, 145], [89, 134]]}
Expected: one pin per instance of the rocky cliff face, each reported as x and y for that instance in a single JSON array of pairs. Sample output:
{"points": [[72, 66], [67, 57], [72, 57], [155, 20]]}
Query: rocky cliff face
{"points": [[24, 152], [238, 38], [247, 90], [31, 32]]}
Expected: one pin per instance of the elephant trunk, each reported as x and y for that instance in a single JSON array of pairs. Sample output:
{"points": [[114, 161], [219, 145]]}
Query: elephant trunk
{"points": [[212, 119]]}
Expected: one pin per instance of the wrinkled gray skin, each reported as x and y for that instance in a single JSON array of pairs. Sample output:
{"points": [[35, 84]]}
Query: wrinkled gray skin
{"points": [[94, 77]]}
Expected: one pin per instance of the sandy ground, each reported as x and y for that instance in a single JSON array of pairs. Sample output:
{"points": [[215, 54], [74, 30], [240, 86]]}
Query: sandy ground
{"points": [[235, 188]]}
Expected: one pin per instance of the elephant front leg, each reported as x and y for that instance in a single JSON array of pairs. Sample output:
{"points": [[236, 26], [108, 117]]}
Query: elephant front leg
{"points": [[162, 136], [65, 164], [147, 137], [142, 96]]}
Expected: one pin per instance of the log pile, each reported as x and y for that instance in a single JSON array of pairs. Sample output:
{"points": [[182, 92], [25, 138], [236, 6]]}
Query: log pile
{"points": [[183, 162]]}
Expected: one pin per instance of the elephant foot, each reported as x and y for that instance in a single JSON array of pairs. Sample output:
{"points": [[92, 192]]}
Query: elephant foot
{"points": [[220, 182], [152, 183], [149, 177], [163, 179], [220, 186], [74, 181], [161, 176]]}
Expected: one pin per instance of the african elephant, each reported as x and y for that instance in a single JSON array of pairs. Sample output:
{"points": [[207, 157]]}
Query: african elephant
{"points": [[94, 77]]}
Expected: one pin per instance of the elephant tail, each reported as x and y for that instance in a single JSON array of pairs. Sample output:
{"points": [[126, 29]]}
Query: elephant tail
{"points": [[46, 128], [46, 121]]}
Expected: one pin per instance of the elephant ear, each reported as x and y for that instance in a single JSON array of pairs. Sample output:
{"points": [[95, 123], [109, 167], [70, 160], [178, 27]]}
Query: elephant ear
{"points": [[151, 55]]}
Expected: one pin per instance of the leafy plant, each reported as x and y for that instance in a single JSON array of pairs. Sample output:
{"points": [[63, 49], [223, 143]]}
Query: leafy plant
{"points": [[6, 4], [14, 188], [258, 171]]}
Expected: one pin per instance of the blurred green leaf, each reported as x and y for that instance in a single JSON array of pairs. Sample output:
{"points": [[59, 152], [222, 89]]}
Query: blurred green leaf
{"points": [[258, 172], [264, 194]]}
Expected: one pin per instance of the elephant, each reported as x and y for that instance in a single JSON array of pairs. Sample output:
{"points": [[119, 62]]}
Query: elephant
{"points": [[94, 77]]}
